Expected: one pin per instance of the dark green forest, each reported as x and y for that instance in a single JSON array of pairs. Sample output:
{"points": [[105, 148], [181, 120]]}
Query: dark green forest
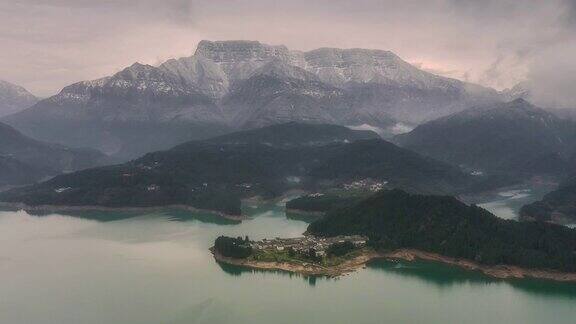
{"points": [[233, 247], [442, 224], [215, 176]]}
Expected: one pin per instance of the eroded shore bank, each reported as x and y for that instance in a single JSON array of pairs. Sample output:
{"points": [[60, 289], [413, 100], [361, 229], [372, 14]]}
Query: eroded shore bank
{"points": [[360, 261], [309, 269]]}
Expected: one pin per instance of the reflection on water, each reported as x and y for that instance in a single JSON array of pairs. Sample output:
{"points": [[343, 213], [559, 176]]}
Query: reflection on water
{"points": [[156, 268], [305, 217], [431, 272], [236, 271], [173, 214], [445, 276]]}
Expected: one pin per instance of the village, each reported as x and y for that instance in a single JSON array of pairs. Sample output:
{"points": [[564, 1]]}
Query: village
{"points": [[305, 244]]}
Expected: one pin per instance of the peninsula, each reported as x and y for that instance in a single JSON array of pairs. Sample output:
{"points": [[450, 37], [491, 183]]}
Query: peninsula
{"points": [[398, 225]]}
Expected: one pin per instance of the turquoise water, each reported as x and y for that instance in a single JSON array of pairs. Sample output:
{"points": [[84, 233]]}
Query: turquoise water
{"points": [[156, 268]]}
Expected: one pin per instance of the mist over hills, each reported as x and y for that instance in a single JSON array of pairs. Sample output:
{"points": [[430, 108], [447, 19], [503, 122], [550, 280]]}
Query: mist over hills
{"points": [[24, 160], [514, 138], [267, 162], [229, 85], [558, 206], [294, 134], [14, 98]]}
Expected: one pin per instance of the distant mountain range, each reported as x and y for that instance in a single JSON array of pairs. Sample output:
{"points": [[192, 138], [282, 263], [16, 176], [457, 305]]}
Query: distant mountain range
{"points": [[512, 139], [24, 160], [14, 98], [266, 162], [228, 85]]}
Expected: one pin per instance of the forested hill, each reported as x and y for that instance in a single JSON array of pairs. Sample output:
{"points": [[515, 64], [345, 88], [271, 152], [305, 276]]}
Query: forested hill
{"points": [[514, 139], [295, 134], [444, 225], [215, 176]]}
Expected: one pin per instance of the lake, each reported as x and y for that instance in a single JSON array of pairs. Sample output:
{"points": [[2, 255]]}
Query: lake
{"points": [[156, 268], [507, 203]]}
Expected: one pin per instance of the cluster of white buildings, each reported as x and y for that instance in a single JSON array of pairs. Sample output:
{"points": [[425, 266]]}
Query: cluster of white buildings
{"points": [[303, 244], [366, 184]]}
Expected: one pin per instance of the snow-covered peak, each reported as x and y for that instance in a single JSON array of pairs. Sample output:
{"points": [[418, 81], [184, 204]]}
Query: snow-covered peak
{"points": [[340, 66], [281, 69], [199, 73], [14, 98], [520, 90], [239, 59], [217, 65], [138, 71], [240, 51]]}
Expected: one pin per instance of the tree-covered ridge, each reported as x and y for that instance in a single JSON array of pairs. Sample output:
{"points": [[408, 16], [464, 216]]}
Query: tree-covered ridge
{"points": [[322, 202], [233, 247], [444, 225], [513, 139], [295, 134], [216, 176]]}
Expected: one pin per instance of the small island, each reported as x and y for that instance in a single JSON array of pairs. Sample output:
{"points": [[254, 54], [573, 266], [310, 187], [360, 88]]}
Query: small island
{"points": [[400, 226], [307, 255]]}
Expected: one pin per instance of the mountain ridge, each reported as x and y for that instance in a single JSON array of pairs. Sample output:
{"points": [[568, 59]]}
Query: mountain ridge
{"points": [[267, 162], [26, 160], [14, 98], [510, 138], [229, 85]]}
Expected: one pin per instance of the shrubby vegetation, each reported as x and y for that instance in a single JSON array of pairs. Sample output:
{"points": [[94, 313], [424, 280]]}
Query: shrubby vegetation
{"points": [[444, 225], [233, 247], [322, 203], [295, 134], [340, 249]]}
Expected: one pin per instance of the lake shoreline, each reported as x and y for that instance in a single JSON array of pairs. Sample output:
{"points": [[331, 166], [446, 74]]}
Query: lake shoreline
{"points": [[307, 269], [305, 212], [359, 262], [87, 208]]}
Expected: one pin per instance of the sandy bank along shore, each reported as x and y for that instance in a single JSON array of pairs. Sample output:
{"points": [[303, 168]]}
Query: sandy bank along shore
{"points": [[351, 265], [309, 269], [56, 209]]}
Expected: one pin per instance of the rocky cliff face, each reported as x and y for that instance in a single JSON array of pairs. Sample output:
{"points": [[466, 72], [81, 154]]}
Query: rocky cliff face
{"points": [[379, 85], [240, 84], [14, 98]]}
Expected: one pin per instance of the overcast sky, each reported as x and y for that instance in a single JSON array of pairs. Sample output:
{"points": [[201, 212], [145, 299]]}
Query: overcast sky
{"points": [[47, 44]]}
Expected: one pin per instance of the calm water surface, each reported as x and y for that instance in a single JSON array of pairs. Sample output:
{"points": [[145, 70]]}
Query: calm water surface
{"points": [[506, 204], [156, 268]]}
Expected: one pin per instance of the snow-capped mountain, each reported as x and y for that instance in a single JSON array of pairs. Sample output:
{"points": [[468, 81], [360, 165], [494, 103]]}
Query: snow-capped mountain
{"points": [[519, 91], [14, 98], [341, 66], [378, 85], [138, 109], [242, 84], [139, 93]]}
